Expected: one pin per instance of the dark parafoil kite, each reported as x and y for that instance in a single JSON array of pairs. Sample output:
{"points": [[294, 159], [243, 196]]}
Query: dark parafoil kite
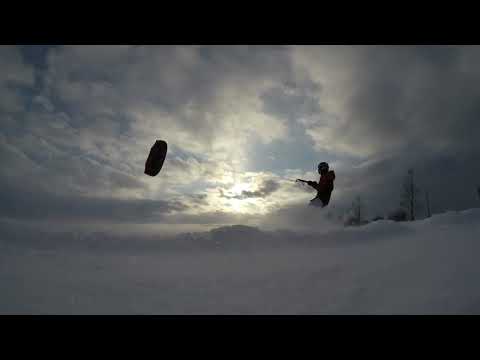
{"points": [[156, 157]]}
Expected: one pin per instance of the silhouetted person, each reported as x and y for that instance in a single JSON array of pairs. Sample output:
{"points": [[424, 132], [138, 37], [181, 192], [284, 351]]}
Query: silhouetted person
{"points": [[324, 186]]}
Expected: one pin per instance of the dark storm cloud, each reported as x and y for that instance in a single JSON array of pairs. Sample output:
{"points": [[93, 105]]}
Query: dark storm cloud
{"points": [[267, 188], [17, 202], [198, 199], [407, 95]]}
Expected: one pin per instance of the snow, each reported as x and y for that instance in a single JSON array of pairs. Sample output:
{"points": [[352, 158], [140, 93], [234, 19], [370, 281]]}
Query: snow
{"points": [[424, 267]]}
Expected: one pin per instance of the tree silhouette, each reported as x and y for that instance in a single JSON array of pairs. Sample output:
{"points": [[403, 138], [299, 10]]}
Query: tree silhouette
{"points": [[427, 203], [409, 197], [358, 209], [355, 212]]}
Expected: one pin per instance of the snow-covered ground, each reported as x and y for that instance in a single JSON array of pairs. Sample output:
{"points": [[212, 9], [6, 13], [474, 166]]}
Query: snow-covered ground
{"points": [[426, 267]]}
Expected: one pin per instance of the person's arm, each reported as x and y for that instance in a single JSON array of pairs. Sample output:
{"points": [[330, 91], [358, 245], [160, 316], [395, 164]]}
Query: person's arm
{"points": [[313, 184]]}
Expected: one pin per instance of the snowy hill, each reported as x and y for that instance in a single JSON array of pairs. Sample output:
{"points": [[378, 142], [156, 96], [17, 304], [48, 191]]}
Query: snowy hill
{"points": [[385, 267]]}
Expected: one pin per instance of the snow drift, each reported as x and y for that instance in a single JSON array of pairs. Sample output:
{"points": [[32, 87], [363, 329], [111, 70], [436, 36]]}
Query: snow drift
{"points": [[424, 267]]}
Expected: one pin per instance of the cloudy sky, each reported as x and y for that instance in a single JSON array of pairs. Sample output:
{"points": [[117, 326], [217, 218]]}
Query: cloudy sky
{"points": [[77, 123]]}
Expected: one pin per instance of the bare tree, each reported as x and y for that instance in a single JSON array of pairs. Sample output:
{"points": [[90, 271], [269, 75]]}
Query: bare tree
{"points": [[427, 203], [358, 209], [410, 195], [355, 213]]}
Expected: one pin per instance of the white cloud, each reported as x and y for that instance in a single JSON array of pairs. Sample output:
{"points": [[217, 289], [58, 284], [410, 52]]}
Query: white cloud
{"points": [[201, 100], [101, 108]]}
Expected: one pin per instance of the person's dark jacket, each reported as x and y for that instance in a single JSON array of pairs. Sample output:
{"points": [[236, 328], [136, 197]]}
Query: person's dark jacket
{"points": [[324, 187]]}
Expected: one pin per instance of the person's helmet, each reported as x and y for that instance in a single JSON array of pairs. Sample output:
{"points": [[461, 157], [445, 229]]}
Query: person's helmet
{"points": [[322, 166]]}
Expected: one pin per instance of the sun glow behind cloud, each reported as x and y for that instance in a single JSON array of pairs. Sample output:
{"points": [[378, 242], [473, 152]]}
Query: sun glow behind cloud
{"points": [[238, 205], [239, 120]]}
